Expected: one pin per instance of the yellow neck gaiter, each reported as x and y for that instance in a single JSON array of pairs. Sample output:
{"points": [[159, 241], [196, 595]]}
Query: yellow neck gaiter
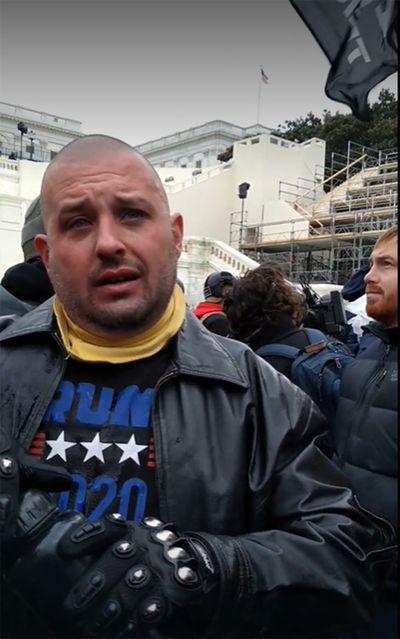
{"points": [[86, 347]]}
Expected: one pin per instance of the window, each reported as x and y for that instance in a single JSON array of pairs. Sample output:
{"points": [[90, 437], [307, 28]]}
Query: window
{"points": [[198, 164], [252, 234]]}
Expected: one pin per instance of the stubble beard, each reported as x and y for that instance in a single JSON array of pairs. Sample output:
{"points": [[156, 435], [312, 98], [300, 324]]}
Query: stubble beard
{"points": [[126, 317], [381, 311]]}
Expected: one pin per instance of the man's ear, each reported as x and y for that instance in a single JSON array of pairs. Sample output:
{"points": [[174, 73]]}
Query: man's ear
{"points": [[42, 248], [177, 231]]}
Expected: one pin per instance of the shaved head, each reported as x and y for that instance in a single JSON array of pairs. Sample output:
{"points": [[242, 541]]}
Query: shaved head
{"points": [[90, 147], [111, 245]]}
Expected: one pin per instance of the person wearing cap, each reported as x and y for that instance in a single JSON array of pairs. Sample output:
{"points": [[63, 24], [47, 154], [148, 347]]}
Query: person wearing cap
{"points": [[26, 284], [210, 312]]}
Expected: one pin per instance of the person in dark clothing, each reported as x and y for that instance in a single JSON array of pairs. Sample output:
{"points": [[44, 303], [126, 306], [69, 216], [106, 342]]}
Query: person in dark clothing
{"points": [[231, 519], [26, 285], [210, 312], [355, 285], [365, 428], [353, 290], [264, 308]]}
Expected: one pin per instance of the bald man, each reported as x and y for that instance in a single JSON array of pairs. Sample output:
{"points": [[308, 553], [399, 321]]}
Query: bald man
{"points": [[201, 501]]}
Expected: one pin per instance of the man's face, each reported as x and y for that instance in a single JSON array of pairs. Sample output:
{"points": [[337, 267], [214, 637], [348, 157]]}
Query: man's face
{"points": [[381, 284], [111, 247]]}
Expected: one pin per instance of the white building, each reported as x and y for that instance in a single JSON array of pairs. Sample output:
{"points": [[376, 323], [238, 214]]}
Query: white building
{"points": [[45, 135], [207, 200], [197, 147]]}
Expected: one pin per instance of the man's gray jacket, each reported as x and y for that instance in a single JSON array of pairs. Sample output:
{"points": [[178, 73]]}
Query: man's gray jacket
{"points": [[239, 455]]}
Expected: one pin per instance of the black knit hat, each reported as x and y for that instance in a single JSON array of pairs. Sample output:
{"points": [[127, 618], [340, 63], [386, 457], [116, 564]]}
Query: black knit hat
{"points": [[32, 226], [355, 286]]}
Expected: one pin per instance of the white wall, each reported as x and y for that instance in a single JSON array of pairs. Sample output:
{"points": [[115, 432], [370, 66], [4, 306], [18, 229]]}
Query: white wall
{"points": [[19, 184], [207, 204], [206, 201]]}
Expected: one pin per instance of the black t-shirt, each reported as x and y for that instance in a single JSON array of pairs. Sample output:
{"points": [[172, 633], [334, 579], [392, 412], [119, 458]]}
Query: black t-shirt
{"points": [[98, 427]]}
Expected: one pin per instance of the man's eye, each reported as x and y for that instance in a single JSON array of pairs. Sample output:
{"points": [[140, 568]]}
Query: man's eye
{"points": [[77, 223], [133, 214]]}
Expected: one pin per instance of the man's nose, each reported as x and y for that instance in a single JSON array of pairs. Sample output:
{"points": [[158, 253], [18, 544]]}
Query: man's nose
{"points": [[109, 238], [370, 276]]}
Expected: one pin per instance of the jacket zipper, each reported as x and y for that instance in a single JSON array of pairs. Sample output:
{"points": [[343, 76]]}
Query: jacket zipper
{"points": [[60, 343], [160, 481]]}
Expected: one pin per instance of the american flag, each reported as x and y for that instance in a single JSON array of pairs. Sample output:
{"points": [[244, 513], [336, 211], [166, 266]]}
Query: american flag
{"points": [[264, 77]]}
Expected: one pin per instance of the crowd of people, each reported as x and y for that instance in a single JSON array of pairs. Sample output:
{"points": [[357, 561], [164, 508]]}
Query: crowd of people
{"points": [[159, 475]]}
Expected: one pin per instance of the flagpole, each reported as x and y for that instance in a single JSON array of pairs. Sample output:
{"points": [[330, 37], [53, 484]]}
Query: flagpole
{"points": [[258, 101]]}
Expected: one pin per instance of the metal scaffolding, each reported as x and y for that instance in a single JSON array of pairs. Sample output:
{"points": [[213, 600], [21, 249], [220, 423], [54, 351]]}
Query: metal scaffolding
{"points": [[333, 235]]}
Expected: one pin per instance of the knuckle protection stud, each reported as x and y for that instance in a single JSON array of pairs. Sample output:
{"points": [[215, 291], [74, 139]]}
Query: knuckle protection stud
{"points": [[8, 466], [177, 553], [152, 522], [165, 535], [186, 576], [152, 610], [115, 517], [137, 577], [124, 548], [111, 610]]}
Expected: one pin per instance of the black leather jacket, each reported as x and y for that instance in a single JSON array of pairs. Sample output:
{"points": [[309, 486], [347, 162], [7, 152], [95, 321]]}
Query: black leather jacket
{"points": [[240, 456]]}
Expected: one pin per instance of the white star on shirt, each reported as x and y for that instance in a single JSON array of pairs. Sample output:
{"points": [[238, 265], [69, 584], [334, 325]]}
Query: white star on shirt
{"points": [[95, 448], [131, 450], [59, 446]]}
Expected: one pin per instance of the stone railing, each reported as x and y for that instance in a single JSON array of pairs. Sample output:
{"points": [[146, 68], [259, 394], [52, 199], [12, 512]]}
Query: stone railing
{"points": [[200, 257], [201, 176], [41, 117], [8, 165]]}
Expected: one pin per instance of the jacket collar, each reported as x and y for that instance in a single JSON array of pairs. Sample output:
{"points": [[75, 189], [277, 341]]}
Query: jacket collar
{"points": [[197, 351], [200, 352], [387, 335], [39, 320]]}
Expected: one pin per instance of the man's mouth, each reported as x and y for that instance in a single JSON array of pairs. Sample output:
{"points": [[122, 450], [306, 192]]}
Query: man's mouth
{"points": [[116, 277], [372, 292]]}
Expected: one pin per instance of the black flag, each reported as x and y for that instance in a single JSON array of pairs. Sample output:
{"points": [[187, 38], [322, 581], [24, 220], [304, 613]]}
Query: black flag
{"points": [[360, 41]]}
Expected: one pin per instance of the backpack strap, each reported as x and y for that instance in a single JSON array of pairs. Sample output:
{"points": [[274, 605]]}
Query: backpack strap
{"points": [[317, 340], [278, 350], [314, 335]]}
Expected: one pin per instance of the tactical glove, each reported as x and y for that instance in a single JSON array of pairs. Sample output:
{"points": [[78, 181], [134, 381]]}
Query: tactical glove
{"points": [[34, 568], [154, 577], [18, 472]]}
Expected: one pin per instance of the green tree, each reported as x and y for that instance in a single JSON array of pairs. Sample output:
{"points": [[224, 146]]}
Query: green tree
{"points": [[301, 129], [338, 129]]}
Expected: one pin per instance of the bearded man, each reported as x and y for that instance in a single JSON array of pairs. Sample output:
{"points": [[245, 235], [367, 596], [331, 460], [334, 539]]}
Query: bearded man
{"points": [[365, 428], [202, 501]]}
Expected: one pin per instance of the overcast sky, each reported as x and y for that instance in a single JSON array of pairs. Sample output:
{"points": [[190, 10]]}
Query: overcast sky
{"points": [[142, 69]]}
